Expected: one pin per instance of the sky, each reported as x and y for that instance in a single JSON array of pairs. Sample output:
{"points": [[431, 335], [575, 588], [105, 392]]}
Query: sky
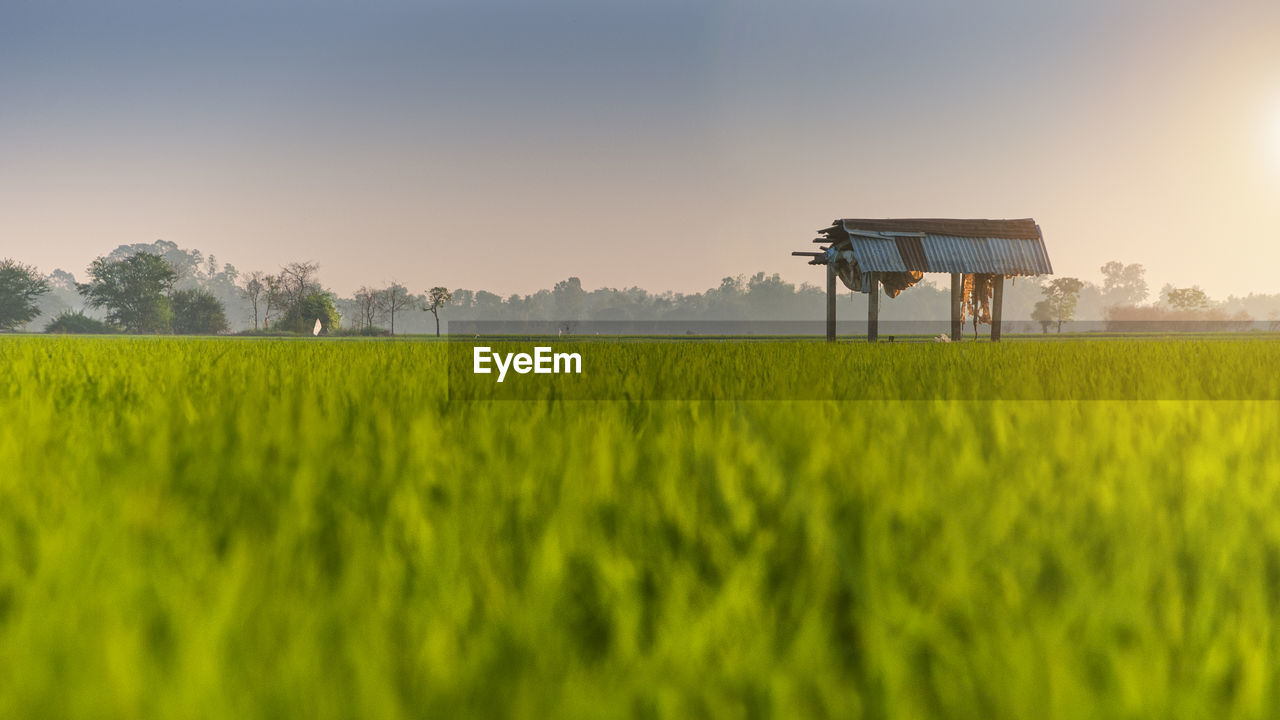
{"points": [[509, 145]]}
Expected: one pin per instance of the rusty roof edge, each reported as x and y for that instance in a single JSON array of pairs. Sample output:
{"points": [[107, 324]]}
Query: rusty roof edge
{"points": [[1019, 228], [1027, 261], [1047, 260]]}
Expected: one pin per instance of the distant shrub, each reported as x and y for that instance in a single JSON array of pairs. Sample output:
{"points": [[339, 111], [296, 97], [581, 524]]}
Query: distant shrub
{"points": [[362, 332], [197, 312], [268, 332], [77, 323], [301, 317], [1146, 318]]}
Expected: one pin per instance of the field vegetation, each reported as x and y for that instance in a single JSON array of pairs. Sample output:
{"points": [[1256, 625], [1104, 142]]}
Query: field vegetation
{"points": [[266, 528]]}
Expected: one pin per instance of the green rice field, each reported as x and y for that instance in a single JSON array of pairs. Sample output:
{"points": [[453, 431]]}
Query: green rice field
{"points": [[290, 528]]}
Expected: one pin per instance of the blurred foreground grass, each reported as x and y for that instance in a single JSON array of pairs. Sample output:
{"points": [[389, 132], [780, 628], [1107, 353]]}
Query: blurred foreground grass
{"points": [[236, 528]]}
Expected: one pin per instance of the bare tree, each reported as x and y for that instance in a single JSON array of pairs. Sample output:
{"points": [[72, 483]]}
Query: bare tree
{"points": [[392, 300], [273, 295], [289, 288], [437, 298], [253, 290], [368, 302], [297, 281]]}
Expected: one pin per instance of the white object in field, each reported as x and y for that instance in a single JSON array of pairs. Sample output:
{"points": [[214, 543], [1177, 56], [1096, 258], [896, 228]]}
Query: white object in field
{"points": [[316, 330], [942, 338]]}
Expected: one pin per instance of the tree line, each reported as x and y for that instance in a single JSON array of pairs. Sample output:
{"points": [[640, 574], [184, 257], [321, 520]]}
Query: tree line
{"points": [[160, 287], [1120, 304]]}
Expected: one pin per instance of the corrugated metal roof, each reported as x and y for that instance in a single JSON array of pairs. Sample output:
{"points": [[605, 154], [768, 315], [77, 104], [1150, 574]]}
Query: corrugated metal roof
{"points": [[877, 255], [1004, 256], [878, 247], [949, 254]]}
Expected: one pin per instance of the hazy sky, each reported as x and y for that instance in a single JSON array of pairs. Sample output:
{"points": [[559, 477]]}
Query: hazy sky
{"points": [[506, 146]]}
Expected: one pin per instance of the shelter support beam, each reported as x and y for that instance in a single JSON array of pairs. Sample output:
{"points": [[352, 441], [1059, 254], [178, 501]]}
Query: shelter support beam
{"points": [[957, 299], [997, 305], [873, 308], [831, 302]]}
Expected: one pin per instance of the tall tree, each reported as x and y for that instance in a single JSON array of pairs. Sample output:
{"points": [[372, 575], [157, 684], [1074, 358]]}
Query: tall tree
{"points": [[367, 306], [1124, 284], [392, 300], [1063, 294], [133, 291], [62, 295], [20, 287], [437, 298], [297, 281], [1191, 298], [487, 304], [272, 296], [185, 263], [1043, 314], [253, 290], [570, 299]]}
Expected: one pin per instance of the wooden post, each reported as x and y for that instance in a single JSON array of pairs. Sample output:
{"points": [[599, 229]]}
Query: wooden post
{"points": [[831, 301], [957, 299], [873, 308], [997, 303]]}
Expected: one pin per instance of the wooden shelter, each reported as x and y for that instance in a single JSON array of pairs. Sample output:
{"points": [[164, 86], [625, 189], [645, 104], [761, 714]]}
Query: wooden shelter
{"points": [[866, 254]]}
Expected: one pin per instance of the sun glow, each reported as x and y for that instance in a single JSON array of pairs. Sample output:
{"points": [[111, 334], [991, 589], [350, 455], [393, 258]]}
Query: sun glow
{"points": [[1275, 134]]}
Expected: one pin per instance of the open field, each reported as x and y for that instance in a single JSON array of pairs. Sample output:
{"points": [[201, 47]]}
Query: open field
{"points": [[219, 528]]}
